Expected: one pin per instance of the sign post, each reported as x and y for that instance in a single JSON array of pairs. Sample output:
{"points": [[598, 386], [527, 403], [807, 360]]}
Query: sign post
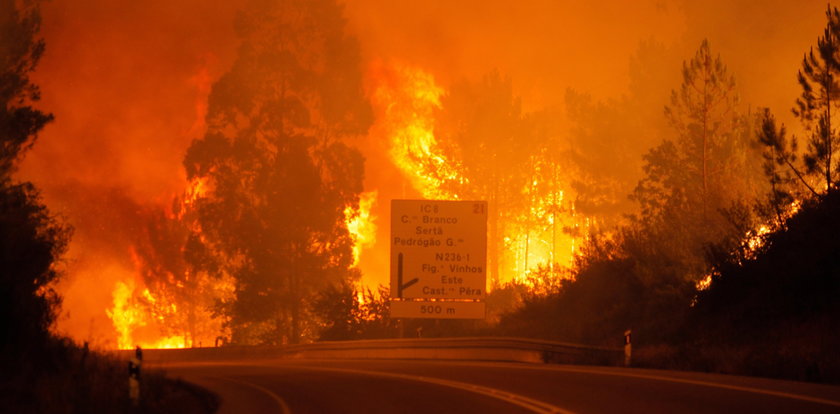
{"points": [[438, 259]]}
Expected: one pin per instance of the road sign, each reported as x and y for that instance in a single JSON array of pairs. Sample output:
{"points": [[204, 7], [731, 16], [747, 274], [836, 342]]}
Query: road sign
{"points": [[438, 259]]}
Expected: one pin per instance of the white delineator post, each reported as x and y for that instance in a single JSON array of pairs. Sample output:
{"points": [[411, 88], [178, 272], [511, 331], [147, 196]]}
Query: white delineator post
{"points": [[134, 376], [628, 348]]}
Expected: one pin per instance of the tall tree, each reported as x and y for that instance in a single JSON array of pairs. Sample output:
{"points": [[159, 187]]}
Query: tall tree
{"points": [[607, 138], [482, 127], [820, 82], [31, 239], [279, 172], [710, 167], [780, 160], [703, 112]]}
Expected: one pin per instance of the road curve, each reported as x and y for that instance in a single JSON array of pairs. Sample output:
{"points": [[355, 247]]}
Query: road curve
{"points": [[412, 386]]}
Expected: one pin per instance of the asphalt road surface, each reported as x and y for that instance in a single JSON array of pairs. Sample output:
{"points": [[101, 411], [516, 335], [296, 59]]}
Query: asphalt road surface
{"points": [[411, 386]]}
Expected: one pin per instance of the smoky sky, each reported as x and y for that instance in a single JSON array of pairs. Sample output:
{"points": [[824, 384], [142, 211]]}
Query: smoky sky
{"points": [[128, 82]]}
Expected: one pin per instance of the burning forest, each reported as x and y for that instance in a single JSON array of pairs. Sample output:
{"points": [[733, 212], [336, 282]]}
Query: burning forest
{"points": [[228, 169]]}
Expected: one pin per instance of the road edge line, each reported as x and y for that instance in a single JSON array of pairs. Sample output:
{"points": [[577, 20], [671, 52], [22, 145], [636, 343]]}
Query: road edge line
{"points": [[280, 402], [781, 394], [509, 397]]}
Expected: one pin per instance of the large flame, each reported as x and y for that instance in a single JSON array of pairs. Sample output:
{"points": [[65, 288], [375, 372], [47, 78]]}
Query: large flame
{"points": [[360, 223], [128, 317], [165, 303], [544, 233], [406, 99], [144, 319]]}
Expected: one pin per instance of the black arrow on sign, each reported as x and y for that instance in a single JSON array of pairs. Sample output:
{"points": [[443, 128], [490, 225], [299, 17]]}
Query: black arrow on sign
{"points": [[400, 285]]}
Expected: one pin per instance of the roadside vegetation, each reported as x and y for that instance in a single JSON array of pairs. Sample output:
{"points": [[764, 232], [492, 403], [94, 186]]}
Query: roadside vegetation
{"points": [[39, 371], [731, 261], [720, 251]]}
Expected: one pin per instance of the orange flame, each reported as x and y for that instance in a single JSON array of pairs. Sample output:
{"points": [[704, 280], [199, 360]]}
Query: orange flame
{"points": [[196, 189], [128, 317], [361, 224], [544, 233], [406, 99]]}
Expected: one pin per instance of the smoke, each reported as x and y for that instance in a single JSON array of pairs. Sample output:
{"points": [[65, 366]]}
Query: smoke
{"points": [[128, 82], [608, 51], [547, 46]]}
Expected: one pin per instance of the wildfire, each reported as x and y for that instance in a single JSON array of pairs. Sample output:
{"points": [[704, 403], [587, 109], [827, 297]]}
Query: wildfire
{"points": [[164, 302], [361, 225], [128, 317], [406, 99], [753, 241], [196, 189], [540, 233]]}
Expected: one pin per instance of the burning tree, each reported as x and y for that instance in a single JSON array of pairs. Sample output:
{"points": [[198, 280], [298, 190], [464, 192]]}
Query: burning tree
{"points": [[475, 142], [178, 290], [482, 127], [279, 175], [692, 181]]}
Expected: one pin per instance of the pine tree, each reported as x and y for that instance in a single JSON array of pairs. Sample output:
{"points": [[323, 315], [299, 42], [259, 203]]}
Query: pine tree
{"points": [[692, 180], [820, 82], [779, 165]]}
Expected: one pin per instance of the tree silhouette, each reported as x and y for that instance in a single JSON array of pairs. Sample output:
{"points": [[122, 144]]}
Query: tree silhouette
{"points": [[710, 167], [279, 173], [482, 127], [780, 158], [820, 87], [31, 239]]}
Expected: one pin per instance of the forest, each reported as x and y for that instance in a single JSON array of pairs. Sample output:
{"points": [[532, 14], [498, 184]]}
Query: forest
{"points": [[704, 223]]}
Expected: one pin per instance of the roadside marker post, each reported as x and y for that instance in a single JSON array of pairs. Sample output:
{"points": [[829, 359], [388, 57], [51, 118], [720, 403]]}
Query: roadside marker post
{"points": [[134, 366], [628, 347]]}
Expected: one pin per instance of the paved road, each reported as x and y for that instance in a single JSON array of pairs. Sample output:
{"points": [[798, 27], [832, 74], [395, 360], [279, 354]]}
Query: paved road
{"points": [[406, 386]]}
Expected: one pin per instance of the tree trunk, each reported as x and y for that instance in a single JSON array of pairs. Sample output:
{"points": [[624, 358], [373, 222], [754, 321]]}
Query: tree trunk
{"points": [[493, 240], [705, 145], [295, 337], [828, 134]]}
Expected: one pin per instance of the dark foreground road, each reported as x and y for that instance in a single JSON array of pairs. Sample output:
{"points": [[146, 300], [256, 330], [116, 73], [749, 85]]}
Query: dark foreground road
{"points": [[407, 386]]}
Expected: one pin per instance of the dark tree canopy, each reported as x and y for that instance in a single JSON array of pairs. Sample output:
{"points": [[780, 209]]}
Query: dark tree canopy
{"points": [[20, 50], [280, 172], [819, 79], [31, 239]]}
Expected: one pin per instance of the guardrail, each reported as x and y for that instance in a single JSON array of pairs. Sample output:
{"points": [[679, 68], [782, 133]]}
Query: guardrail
{"points": [[488, 349], [476, 349]]}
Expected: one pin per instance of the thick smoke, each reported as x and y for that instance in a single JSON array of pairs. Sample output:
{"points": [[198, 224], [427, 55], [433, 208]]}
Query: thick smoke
{"points": [[128, 82]]}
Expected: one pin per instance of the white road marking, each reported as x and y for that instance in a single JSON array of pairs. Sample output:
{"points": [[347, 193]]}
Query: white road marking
{"points": [[284, 408], [619, 373], [710, 384], [515, 399]]}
